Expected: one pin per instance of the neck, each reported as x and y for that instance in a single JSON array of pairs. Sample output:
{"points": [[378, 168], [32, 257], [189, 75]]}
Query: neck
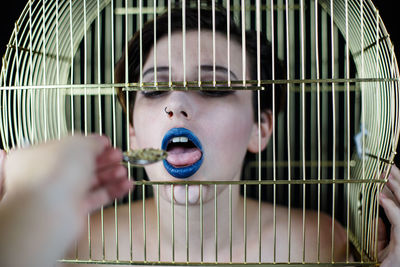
{"points": [[194, 224]]}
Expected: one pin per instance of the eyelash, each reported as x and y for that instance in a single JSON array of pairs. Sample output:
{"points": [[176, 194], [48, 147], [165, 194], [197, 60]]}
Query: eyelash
{"points": [[206, 93], [217, 93], [153, 93]]}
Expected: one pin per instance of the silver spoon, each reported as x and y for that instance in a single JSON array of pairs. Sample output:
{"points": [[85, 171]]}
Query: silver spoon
{"points": [[142, 157]]}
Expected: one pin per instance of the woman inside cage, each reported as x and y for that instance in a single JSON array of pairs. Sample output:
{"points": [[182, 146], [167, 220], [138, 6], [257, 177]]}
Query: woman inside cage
{"points": [[207, 135]]}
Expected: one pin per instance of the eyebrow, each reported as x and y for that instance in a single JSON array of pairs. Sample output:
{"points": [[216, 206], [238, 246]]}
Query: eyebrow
{"points": [[206, 68]]}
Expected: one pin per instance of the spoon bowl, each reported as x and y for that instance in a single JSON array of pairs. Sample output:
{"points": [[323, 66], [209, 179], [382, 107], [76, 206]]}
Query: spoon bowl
{"points": [[143, 157]]}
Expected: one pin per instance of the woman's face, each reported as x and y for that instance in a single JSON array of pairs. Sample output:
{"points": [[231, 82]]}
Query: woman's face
{"points": [[221, 123]]}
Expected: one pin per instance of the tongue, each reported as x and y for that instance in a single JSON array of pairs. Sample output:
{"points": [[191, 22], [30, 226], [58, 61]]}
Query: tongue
{"points": [[182, 157]]}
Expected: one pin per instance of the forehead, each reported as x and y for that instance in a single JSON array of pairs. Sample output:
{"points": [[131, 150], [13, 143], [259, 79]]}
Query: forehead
{"points": [[189, 43]]}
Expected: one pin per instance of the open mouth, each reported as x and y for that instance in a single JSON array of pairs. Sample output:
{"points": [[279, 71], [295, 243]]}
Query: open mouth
{"points": [[185, 154]]}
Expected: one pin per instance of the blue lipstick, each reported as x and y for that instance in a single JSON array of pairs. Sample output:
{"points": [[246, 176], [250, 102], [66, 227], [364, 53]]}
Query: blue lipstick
{"points": [[187, 171]]}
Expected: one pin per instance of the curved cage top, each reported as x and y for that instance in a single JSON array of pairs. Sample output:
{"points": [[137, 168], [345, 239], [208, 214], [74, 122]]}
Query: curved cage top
{"points": [[342, 115]]}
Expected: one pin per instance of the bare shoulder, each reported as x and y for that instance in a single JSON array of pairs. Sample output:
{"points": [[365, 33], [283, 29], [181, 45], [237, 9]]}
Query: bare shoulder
{"points": [[311, 234]]}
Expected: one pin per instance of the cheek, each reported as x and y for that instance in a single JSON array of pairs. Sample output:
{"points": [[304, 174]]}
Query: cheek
{"points": [[146, 133], [231, 135]]}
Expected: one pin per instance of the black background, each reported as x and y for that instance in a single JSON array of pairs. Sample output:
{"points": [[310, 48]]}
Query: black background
{"points": [[10, 12]]}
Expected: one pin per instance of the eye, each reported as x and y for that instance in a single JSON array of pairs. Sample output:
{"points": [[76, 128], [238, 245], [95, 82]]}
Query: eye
{"points": [[153, 93], [217, 93]]}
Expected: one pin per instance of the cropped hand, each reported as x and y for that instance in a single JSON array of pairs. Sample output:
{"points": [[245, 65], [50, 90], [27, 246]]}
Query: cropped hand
{"points": [[49, 189], [389, 250], [111, 178], [34, 166]]}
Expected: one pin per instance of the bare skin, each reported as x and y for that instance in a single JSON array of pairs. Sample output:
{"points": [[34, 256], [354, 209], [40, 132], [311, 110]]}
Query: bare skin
{"points": [[209, 118], [44, 205], [225, 151], [238, 247]]}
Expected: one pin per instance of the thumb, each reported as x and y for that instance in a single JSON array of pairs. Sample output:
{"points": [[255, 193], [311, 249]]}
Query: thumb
{"points": [[382, 236]]}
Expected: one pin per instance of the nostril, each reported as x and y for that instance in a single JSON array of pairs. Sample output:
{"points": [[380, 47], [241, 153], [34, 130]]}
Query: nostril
{"points": [[184, 113]]}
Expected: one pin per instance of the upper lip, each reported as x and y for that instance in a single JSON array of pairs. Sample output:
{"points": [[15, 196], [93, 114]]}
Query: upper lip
{"points": [[180, 132]]}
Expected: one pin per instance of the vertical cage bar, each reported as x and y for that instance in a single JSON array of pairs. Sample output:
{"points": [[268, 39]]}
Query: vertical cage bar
{"points": [[213, 38], [187, 222], [17, 93], [216, 223], [378, 96], [258, 26], [158, 222], [44, 68], [72, 68], [113, 77], [199, 42], [100, 121], [274, 115], [318, 132], [288, 124], [362, 130], [169, 46], [333, 131], [100, 116], [348, 127], [85, 66], [58, 76], [114, 123], [173, 222], [85, 108], [243, 9], [127, 113], [140, 40], [245, 222], [230, 224], [32, 135], [201, 225], [184, 41], [155, 43], [303, 131], [228, 37], [144, 222]]}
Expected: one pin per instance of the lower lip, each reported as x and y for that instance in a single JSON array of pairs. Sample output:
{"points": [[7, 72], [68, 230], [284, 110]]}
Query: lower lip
{"points": [[186, 171], [183, 172]]}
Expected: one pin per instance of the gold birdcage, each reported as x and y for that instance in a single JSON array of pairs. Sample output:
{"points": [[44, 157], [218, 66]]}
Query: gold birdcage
{"points": [[332, 144]]}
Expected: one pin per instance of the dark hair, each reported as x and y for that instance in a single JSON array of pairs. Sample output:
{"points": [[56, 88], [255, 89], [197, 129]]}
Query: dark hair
{"points": [[205, 24]]}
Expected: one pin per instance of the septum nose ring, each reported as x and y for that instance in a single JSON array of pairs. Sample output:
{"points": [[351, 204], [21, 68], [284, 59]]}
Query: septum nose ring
{"points": [[169, 113]]}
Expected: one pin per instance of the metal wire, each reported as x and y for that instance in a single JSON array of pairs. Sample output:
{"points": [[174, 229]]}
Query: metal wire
{"points": [[341, 83]]}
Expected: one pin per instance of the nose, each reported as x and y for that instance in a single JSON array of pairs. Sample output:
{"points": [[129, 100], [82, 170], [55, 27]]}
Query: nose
{"points": [[179, 106]]}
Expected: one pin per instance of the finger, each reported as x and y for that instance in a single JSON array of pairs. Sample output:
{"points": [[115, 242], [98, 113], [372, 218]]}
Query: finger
{"points": [[393, 184], [391, 210], [395, 171], [119, 188], [110, 156], [106, 175], [382, 237], [106, 194], [98, 143]]}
